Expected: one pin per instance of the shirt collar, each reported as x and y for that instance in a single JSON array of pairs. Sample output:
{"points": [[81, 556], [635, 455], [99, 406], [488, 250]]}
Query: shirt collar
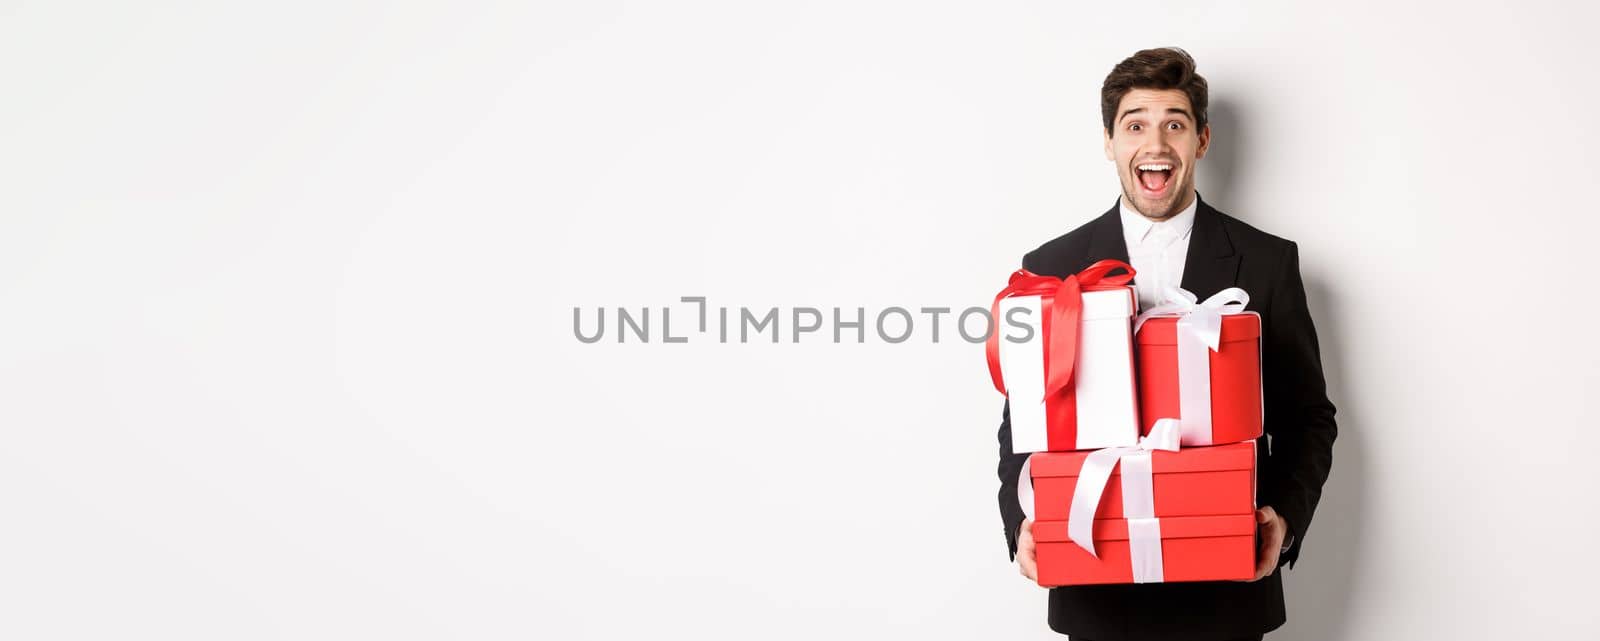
{"points": [[1136, 228]]}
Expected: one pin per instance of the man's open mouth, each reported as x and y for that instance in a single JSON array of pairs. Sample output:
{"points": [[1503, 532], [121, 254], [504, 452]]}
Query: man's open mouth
{"points": [[1154, 176]]}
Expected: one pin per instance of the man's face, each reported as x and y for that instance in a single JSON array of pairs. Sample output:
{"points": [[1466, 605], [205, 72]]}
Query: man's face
{"points": [[1155, 145]]}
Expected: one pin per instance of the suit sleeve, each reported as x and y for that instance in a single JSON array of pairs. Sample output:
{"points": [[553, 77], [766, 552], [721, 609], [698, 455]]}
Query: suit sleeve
{"points": [[1010, 466], [1299, 416]]}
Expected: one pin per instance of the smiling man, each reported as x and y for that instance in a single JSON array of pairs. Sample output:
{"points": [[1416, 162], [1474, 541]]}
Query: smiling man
{"points": [[1153, 107]]}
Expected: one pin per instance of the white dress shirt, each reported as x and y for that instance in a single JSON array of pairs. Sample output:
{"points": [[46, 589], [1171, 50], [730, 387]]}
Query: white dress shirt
{"points": [[1156, 250]]}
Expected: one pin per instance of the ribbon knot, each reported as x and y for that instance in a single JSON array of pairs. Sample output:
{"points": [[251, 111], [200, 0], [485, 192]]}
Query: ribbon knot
{"points": [[1202, 319], [1138, 497], [1067, 311]]}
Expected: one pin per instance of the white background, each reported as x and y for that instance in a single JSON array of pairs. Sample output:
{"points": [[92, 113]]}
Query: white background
{"points": [[287, 300]]}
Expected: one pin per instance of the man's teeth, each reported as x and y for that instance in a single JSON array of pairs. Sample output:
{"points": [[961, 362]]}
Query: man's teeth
{"points": [[1155, 167]]}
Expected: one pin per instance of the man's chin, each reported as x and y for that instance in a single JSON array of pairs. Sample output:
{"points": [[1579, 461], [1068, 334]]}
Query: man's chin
{"points": [[1160, 209]]}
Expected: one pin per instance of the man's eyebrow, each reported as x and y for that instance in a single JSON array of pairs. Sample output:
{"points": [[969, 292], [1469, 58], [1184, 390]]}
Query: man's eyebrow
{"points": [[1170, 110]]}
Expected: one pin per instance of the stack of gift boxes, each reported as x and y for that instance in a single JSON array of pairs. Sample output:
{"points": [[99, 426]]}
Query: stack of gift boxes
{"points": [[1141, 424]]}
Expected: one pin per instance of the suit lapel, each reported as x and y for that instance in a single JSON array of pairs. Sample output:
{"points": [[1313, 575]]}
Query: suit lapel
{"points": [[1105, 239], [1209, 267], [1211, 264]]}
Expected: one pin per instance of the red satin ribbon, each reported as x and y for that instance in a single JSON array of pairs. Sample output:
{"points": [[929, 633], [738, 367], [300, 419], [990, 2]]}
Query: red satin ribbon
{"points": [[1067, 311]]}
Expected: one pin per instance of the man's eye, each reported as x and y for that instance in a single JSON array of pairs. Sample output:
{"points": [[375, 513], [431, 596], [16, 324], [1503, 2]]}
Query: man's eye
{"points": [[1175, 126], [1135, 127]]}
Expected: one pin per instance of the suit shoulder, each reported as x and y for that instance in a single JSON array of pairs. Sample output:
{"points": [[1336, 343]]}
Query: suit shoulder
{"points": [[1271, 258], [1047, 257], [1251, 238]]}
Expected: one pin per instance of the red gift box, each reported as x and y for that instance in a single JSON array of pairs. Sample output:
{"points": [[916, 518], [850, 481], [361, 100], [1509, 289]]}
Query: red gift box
{"points": [[1195, 481], [1193, 548], [1235, 379], [1203, 502]]}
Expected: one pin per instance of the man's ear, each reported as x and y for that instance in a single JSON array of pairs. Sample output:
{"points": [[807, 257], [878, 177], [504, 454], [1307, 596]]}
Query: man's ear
{"points": [[1205, 142], [1110, 155]]}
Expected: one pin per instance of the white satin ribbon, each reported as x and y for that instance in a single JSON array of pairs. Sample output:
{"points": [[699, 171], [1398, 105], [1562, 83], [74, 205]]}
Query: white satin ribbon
{"points": [[1138, 498], [1199, 333], [1144, 546], [1025, 488]]}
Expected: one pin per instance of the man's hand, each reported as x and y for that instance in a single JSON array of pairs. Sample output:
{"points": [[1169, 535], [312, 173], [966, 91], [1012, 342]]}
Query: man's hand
{"points": [[1025, 560], [1272, 528]]}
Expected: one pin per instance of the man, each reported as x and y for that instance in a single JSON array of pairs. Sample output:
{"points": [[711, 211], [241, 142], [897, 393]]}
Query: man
{"points": [[1154, 110]]}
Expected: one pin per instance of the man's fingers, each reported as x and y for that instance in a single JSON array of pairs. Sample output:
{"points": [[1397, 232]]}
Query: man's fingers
{"points": [[1266, 557], [1264, 566], [1269, 542], [1026, 565], [1025, 551]]}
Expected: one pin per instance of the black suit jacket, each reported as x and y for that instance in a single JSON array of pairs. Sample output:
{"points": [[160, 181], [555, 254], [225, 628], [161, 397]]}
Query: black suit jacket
{"points": [[1294, 459]]}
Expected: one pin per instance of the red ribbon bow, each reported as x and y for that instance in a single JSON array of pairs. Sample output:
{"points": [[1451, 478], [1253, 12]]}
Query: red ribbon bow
{"points": [[1068, 308]]}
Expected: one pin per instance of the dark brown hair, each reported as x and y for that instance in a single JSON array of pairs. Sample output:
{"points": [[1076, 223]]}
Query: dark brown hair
{"points": [[1165, 68]]}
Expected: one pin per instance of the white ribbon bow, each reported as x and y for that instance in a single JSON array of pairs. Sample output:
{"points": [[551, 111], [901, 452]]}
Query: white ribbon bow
{"points": [[1204, 318], [1199, 332], [1138, 497]]}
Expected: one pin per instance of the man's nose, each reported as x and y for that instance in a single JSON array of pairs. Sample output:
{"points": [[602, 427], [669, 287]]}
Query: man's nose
{"points": [[1162, 141]]}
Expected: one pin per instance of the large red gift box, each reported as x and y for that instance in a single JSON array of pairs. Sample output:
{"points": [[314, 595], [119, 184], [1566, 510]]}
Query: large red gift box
{"points": [[1234, 380], [1195, 481], [1204, 502], [1193, 548]]}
